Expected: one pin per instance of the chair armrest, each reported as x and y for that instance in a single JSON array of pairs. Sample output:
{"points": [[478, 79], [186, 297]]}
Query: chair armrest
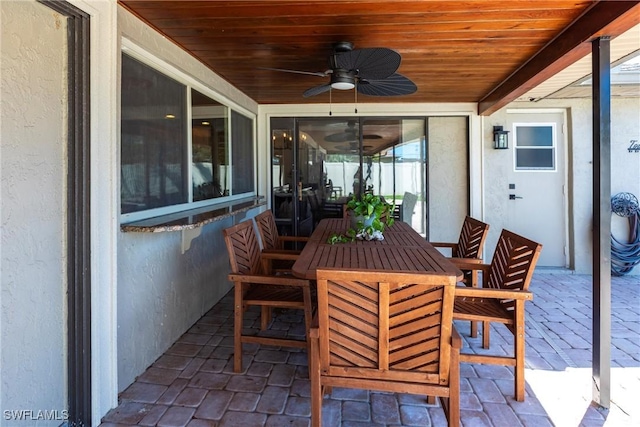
{"points": [[470, 264], [456, 340], [492, 293], [444, 245], [268, 280]]}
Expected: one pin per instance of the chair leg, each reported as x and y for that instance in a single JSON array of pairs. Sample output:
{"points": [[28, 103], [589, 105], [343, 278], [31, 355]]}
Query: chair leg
{"points": [[238, 313], [316, 387], [486, 330], [451, 404], [454, 388], [265, 317], [474, 284], [431, 400], [519, 347], [308, 315], [474, 329]]}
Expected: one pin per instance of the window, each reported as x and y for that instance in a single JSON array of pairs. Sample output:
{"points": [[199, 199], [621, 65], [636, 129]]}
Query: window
{"points": [[242, 135], [154, 139], [210, 150], [535, 146], [180, 149]]}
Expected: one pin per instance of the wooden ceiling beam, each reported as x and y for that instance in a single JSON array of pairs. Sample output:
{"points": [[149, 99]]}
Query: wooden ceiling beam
{"points": [[610, 18]]}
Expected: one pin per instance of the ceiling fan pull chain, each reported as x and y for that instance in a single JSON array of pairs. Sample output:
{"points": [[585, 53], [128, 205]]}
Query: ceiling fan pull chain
{"points": [[356, 96], [330, 102]]}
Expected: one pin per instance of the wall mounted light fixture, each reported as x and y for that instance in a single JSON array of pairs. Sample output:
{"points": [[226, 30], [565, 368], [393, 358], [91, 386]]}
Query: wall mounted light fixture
{"points": [[500, 138]]}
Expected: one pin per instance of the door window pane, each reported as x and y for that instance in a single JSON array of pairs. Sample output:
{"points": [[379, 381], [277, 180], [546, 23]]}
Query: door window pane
{"points": [[282, 178], [394, 154], [534, 136], [534, 147], [153, 140], [210, 148], [534, 159], [242, 163]]}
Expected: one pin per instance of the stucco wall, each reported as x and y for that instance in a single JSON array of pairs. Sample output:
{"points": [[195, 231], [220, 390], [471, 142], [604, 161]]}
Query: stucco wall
{"points": [[625, 170], [162, 291], [448, 177], [32, 158]]}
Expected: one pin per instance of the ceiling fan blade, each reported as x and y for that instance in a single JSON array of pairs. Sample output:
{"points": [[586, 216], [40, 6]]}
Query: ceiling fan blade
{"points": [[373, 63], [316, 90], [395, 85], [348, 137], [310, 73], [341, 137]]}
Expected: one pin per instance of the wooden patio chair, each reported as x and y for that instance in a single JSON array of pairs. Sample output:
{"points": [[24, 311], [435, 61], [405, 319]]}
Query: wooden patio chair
{"points": [[252, 287], [271, 239], [470, 245], [385, 331], [282, 257], [505, 284]]}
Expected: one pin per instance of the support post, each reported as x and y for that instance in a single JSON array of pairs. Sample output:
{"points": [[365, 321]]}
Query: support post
{"points": [[601, 343]]}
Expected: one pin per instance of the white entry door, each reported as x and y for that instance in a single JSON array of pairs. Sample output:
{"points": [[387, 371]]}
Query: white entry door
{"points": [[537, 183]]}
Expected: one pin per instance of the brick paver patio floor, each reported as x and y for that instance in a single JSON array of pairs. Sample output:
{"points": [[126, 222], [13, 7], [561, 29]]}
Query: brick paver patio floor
{"points": [[193, 383]]}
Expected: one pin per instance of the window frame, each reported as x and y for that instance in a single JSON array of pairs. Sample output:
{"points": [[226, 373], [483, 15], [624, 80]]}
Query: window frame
{"points": [[138, 53], [553, 147]]}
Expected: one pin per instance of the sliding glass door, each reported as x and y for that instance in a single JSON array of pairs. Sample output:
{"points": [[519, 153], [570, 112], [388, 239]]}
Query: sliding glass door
{"points": [[319, 163]]}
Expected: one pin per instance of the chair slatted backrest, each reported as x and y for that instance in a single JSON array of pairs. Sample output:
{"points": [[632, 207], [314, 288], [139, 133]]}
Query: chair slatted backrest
{"points": [[513, 263], [472, 237], [268, 230], [244, 248], [389, 326]]}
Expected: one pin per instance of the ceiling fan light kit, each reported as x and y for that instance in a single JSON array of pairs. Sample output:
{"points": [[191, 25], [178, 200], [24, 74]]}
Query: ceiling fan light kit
{"points": [[371, 71], [342, 80]]}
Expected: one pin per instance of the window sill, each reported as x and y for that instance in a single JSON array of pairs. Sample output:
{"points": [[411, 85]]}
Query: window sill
{"points": [[194, 218]]}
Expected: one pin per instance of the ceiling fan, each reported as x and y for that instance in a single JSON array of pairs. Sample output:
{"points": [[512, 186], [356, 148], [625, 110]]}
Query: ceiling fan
{"points": [[372, 71]]}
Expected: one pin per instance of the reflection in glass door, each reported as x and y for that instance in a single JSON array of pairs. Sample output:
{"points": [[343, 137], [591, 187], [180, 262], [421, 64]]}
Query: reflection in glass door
{"points": [[283, 176], [331, 160], [319, 163], [394, 166]]}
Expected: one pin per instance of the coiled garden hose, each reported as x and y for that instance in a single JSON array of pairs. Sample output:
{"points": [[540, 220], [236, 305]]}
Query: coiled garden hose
{"points": [[626, 255]]}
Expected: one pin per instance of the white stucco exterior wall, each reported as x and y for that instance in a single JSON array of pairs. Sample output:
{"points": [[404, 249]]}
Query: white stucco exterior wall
{"points": [[162, 291], [33, 205], [448, 177]]}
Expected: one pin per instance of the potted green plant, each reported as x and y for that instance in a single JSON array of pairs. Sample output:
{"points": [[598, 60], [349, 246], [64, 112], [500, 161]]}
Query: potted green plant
{"points": [[369, 216]]}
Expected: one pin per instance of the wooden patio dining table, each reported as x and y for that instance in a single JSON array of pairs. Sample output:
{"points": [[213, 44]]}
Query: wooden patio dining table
{"points": [[402, 249]]}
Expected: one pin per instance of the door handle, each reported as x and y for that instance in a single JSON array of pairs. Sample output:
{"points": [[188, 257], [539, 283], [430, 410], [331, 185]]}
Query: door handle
{"points": [[513, 197]]}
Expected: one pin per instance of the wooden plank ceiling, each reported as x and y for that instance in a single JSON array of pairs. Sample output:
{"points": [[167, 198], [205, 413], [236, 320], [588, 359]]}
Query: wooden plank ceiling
{"points": [[487, 52]]}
